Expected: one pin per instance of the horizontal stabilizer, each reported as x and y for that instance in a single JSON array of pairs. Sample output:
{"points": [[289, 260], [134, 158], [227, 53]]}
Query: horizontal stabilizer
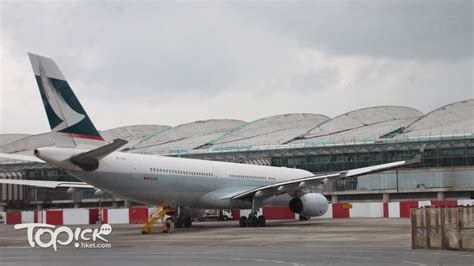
{"points": [[47, 184], [21, 157], [89, 161]]}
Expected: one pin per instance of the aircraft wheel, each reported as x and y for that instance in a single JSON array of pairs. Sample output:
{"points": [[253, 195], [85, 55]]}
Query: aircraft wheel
{"points": [[261, 221], [252, 221], [303, 218], [179, 223], [187, 222], [243, 221]]}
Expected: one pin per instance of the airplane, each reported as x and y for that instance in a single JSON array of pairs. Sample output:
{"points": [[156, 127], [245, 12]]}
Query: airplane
{"points": [[188, 184]]}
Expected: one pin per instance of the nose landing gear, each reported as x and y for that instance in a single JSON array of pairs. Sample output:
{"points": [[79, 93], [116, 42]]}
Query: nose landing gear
{"points": [[184, 222]]}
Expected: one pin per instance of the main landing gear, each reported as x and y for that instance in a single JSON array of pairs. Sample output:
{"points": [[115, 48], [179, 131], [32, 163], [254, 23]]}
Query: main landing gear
{"points": [[252, 220], [183, 222]]}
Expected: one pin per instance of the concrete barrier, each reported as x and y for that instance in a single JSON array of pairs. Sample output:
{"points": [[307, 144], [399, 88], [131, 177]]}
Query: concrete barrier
{"points": [[443, 227]]}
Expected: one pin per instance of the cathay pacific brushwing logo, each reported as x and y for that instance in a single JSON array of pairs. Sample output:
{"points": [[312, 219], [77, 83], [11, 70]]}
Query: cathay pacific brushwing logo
{"points": [[58, 104]]}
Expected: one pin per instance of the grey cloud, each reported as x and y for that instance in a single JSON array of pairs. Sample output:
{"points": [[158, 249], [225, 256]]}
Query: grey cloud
{"points": [[160, 48], [419, 30], [216, 57], [314, 80]]}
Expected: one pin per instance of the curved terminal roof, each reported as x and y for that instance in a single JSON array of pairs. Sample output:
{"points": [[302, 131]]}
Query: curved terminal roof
{"points": [[273, 130], [129, 133], [363, 134], [452, 119], [361, 118], [29, 143], [132, 134], [9, 138], [365, 125], [187, 136]]}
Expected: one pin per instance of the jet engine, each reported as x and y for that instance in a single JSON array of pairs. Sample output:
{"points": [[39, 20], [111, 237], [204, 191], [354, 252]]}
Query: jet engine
{"points": [[310, 205]]}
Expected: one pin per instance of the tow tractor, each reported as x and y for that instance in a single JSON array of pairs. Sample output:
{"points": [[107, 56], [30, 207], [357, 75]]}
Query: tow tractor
{"points": [[159, 214]]}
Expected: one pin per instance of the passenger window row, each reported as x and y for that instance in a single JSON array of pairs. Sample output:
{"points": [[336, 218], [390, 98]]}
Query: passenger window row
{"points": [[179, 172], [251, 177]]}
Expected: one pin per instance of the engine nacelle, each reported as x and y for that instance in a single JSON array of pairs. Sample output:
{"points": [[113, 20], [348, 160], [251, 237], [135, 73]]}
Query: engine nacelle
{"points": [[310, 204]]}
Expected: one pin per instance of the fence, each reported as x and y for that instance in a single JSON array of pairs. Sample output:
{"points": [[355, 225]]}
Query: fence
{"points": [[443, 228]]}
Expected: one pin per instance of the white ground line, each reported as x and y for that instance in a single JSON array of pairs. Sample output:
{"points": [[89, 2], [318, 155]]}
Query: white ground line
{"points": [[413, 263], [347, 257], [163, 258]]}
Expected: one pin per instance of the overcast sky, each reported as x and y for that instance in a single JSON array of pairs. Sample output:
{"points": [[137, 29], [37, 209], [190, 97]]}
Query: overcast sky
{"points": [[133, 62]]}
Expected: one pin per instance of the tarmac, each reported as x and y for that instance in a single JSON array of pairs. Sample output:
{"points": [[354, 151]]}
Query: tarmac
{"points": [[315, 242]]}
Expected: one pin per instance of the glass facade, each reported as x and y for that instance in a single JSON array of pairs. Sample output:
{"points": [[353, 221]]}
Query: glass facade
{"points": [[38, 171], [338, 159], [445, 164], [410, 179], [50, 174]]}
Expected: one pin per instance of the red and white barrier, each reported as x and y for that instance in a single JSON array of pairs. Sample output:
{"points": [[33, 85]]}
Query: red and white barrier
{"points": [[393, 209], [370, 209], [75, 216], [28, 217], [466, 202], [140, 215], [118, 216], [54, 217]]}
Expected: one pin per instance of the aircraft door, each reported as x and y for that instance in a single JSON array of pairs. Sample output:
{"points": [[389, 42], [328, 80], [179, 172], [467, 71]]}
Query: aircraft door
{"points": [[218, 178], [136, 172]]}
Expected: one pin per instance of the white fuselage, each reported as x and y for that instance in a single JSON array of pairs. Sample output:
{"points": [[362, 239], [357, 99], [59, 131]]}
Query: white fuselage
{"points": [[158, 180]]}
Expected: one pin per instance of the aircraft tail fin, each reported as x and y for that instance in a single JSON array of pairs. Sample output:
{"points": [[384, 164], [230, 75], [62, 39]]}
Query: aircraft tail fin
{"points": [[70, 124]]}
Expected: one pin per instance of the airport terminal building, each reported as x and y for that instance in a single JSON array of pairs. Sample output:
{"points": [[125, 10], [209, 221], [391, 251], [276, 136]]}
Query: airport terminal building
{"points": [[313, 142]]}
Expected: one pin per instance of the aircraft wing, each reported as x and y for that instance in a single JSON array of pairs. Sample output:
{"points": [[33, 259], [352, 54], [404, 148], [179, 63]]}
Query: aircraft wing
{"points": [[47, 184], [305, 182], [21, 157]]}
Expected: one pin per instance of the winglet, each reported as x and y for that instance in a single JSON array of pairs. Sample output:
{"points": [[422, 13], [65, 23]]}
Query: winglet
{"points": [[418, 156]]}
